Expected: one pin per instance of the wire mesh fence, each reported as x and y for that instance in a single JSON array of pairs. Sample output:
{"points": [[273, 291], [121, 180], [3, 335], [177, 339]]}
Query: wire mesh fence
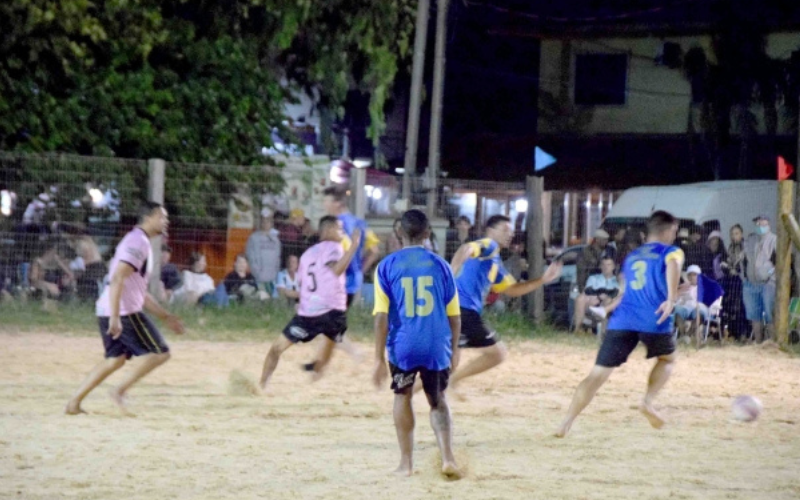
{"points": [[62, 215]]}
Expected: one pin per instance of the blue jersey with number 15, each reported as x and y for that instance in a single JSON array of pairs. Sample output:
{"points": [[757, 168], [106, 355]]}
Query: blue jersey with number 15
{"points": [[645, 273], [416, 289]]}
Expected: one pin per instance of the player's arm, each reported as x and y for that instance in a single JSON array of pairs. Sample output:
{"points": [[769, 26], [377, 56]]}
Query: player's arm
{"points": [[152, 306], [552, 273], [674, 265], [381, 327], [340, 266], [464, 253], [121, 273], [372, 250]]}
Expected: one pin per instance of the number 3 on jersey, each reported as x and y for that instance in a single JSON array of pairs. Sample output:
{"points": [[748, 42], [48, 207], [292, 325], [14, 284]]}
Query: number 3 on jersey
{"points": [[413, 307], [640, 276]]}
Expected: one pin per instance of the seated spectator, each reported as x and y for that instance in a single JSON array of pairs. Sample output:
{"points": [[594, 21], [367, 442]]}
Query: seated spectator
{"points": [[588, 261], [90, 270], [687, 306], [517, 266], [288, 282], [264, 255], [170, 275], [600, 290], [239, 285], [49, 274], [198, 286]]}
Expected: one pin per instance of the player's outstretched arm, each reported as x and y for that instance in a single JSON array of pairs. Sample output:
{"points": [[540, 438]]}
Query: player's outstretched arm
{"points": [[152, 306], [381, 372], [372, 249], [341, 266], [552, 273]]}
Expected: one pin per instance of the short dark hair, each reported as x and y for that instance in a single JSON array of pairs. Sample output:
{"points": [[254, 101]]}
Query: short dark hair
{"points": [[146, 208], [195, 257], [338, 193], [660, 221], [608, 257], [241, 256], [494, 220], [328, 220], [465, 219], [414, 223]]}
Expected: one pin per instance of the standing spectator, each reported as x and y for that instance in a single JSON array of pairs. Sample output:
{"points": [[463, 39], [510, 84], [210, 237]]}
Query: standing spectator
{"points": [[395, 240], [695, 248], [335, 202], [600, 290], [238, 285], [759, 276], [732, 303], [264, 255], [288, 285], [292, 230], [463, 233], [170, 275], [713, 256], [615, 246], [198, 286], [588, 262]]}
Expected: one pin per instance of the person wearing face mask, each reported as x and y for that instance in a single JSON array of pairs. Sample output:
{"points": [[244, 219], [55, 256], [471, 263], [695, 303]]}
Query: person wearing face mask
{"points": [[759, 276]]}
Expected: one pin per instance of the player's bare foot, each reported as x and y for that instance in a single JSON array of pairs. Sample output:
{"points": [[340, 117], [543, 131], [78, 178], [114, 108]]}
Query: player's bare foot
{"points": [[73, 409], [563, 430], [451, 471], [651, 415], [404, 470], [121, 401]]}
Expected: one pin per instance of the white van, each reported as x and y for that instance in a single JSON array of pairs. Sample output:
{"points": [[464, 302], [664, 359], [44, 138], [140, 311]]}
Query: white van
{"points": [[713, 205]]}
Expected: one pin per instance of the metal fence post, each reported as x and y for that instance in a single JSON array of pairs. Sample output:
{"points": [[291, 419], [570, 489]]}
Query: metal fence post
{"points": [[358, 179], [534, 190], [155, 192]]}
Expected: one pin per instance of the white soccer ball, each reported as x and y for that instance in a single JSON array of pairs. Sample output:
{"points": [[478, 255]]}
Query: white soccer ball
{"points": [[746, 408]]}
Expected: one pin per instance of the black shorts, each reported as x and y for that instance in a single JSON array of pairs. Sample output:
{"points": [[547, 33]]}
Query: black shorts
{"points": [[434, 382], [474, 332], [139, 336], [619, 344], [350, 298], [332, 324]]}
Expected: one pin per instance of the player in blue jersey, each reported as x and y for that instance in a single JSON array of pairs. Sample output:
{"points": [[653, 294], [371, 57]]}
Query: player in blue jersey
{"points": [[642, 313], [417, 321], [479, 270]]}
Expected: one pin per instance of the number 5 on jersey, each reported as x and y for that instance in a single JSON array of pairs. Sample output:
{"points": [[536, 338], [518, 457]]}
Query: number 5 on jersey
{"points": [[423, 295]]}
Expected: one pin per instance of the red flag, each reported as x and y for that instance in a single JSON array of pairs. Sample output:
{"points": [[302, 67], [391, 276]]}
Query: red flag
{"points": [[785, 169]]}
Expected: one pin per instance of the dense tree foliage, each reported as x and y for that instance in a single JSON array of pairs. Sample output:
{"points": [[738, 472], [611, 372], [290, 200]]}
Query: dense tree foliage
{"points": [[186, 80]]}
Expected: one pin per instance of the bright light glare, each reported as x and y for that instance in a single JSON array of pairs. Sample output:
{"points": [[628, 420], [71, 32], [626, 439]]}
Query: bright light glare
{"points": [[5, 203], [338, 175], [96, 195], [377, 193], [369, 189], [362, 162], [521, 205]]}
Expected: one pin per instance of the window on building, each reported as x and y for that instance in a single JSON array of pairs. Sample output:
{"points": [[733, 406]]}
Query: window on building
{"points": [[600, 79]]}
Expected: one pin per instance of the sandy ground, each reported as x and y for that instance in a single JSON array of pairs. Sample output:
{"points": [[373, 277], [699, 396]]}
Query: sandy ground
{"points": [[335, 439]]}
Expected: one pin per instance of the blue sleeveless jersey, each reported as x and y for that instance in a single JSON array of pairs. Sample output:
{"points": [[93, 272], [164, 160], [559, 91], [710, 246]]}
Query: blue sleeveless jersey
{"points": [[645, 274]]}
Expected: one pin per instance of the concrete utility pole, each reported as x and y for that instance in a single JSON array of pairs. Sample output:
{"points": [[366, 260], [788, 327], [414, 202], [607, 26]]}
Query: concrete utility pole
{"points": [[436, 104], [535, 191], [415, 97], [155, 192]]}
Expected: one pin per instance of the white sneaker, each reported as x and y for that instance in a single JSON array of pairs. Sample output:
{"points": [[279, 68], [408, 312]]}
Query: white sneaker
{"points": [[600, 312]]}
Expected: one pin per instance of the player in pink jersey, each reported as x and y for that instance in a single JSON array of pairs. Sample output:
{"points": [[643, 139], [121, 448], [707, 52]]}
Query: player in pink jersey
{"points": [[323, 298], [125, 329]]}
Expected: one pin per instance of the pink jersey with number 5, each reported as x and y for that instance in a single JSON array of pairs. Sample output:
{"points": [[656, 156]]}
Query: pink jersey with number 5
{"points": [[321, 290]]}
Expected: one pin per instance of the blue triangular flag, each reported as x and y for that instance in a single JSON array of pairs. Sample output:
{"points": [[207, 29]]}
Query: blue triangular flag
{"points": [[542, 159]]}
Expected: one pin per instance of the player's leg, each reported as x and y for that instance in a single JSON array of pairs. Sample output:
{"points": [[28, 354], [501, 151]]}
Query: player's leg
{"points": [[490, 356], [145, 365], [661, 347], [99, 373], [323, 356], [278, 347], [614, 351], [404, 426], [441, 421]]}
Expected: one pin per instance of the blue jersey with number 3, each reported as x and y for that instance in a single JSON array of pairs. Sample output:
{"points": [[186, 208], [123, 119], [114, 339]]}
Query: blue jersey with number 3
{"points": [[416, 288], [645, 273]]}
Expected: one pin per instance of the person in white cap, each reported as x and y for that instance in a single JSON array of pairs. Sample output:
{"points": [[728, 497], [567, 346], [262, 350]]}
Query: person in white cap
{"points": [[588, 262], [687, 307]]}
